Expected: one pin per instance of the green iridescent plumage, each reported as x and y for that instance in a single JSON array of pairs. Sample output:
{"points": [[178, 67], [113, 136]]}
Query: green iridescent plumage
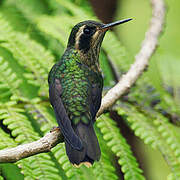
{"points": [[75, 90], [76, 80]]}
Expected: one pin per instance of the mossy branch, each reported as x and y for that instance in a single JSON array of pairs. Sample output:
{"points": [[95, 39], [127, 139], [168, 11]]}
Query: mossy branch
{"points": [[141, 62]]}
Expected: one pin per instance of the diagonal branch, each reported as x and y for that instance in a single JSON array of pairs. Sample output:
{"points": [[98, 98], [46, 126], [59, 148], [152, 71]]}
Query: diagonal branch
{"points": [[44, 144], [141, 62]]}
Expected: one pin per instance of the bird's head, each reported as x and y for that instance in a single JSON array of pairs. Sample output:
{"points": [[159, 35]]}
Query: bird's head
{"points": [[87, 36]]}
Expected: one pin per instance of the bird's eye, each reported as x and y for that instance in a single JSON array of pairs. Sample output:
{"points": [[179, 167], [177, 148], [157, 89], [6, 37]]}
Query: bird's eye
{"points": [[87, 31]]}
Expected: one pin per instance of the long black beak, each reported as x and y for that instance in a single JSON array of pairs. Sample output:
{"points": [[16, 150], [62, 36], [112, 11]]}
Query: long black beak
{"points": [[107, 26]]}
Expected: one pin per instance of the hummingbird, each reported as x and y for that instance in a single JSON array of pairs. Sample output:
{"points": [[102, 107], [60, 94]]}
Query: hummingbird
{"points": [[75, 90]]}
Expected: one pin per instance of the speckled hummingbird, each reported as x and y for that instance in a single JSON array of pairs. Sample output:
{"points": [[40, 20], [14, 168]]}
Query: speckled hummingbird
{"points": [[75, 90]]}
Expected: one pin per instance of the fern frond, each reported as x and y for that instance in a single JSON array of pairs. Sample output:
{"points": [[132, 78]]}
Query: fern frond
{"points": [[168, 102], [5, 140], [120, 148], [28, 53], [50, 26], [104, 169], [8, 78], [169, 133], [14, 85], [42, 116], [5, 92], [19, 125], [152, 131], [40, 166], [138, 124]]}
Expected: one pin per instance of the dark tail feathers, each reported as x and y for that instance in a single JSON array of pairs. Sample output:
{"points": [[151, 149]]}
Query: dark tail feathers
{"points": [[91, 150], [66, 128]]}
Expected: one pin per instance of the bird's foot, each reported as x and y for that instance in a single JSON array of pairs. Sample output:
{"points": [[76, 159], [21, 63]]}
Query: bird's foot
{"points": [[87, 164]]}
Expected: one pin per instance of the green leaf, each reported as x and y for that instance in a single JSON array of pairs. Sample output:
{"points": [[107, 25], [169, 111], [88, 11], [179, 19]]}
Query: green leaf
{"points": [[120, 148]]}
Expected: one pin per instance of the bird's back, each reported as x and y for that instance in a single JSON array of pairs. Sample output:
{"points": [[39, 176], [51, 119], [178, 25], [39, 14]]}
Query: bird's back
{"points": [[75, 81], [76, 88]]}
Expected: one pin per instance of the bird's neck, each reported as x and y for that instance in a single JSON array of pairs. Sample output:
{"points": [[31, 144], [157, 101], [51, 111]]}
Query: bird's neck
{"points": [[90, 58]]}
